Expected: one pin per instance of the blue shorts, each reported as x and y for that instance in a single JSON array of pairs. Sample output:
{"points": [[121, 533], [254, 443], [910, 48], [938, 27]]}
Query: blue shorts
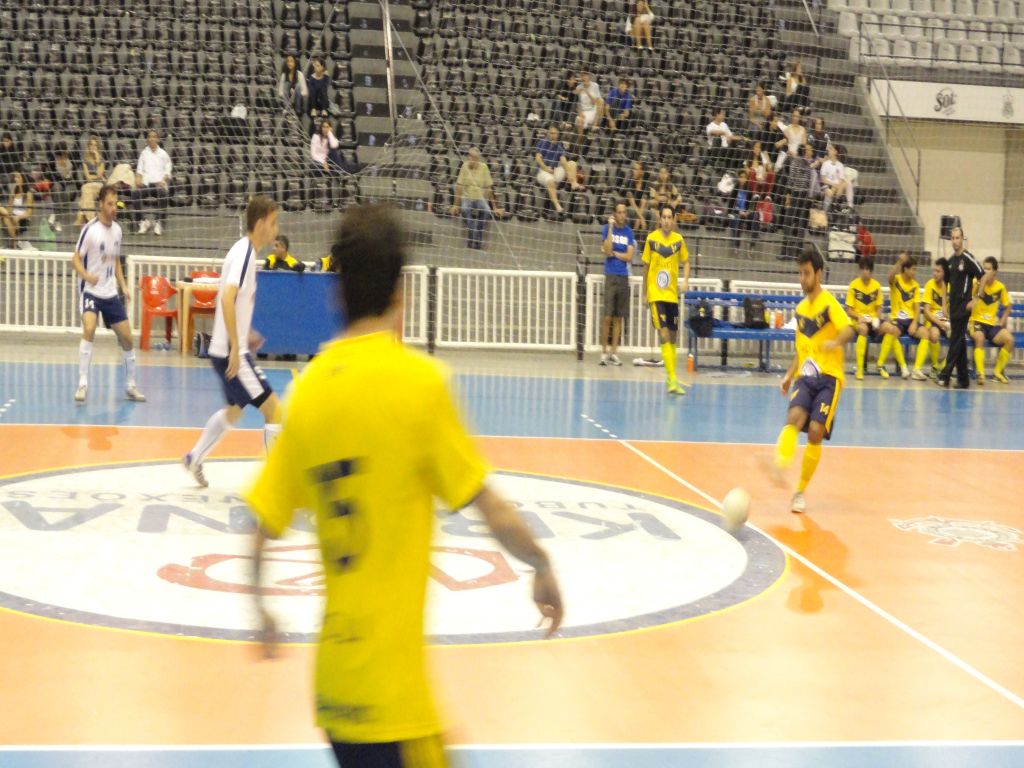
{"points": [[819, 396], [990, 331], [249, 387], [111, 310], [903, 323], [665, 314]]}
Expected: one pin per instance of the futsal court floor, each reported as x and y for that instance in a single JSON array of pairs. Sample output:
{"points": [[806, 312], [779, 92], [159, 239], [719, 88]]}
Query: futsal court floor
{"points": [[881, 628]]}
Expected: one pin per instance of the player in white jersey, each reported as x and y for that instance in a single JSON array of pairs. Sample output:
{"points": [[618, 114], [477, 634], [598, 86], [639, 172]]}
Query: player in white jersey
{"points": [[234, 340], [97, 261]]}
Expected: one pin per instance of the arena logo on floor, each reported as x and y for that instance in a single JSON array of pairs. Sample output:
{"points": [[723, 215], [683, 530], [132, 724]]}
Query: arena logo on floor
{"points": [[134, 547]]}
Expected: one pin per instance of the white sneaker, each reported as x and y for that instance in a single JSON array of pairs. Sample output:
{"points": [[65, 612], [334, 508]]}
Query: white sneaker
{"points": [[144, 226], [131, 392], [905, 372], [918, 375], [195, 469], [604, 360], [798, 504], [80, 393], [158, 229], [614, 360], [25, 245]]}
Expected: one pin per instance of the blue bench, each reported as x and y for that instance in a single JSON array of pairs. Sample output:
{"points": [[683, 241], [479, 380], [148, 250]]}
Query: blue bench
{"points": [[726, 331]]}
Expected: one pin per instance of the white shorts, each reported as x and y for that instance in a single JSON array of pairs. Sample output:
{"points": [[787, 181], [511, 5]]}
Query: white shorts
{"points": [[545, 178], [589, 116], [645, 18]]}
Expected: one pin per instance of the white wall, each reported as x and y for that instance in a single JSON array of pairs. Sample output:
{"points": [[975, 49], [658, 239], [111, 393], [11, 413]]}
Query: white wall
{"points": [[973, 171]]}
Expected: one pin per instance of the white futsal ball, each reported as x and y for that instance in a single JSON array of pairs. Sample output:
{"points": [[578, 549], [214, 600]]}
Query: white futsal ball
{"points": [[735, 509]]}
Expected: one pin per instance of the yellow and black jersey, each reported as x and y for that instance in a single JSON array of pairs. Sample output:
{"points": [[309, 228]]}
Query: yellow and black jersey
{"points": [[817, 322], [865, 299], [663, 254], [904, 297], [988, 305]]}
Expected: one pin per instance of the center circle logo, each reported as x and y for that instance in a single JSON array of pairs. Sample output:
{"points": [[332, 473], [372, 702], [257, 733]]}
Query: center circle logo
{"points": [[132, 547], [664, 279]]}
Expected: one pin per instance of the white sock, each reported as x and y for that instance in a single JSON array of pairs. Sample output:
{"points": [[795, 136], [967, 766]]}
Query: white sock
{"points": [[215, 429], [129, 367], [84, 358], [270, 433]]}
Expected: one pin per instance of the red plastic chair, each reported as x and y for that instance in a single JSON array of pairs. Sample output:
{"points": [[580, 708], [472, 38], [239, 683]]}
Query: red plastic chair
{"points": [[203, 302], [156, 292]]}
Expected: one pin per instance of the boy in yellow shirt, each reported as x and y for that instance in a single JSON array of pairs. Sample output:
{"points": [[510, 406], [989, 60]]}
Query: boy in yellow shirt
{"points": [[664, 250]]}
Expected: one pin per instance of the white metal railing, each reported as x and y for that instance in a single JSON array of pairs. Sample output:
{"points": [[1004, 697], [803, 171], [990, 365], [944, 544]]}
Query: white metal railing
{"points": [[475, 308], [497, 309], [414, 294], [638, 334]]}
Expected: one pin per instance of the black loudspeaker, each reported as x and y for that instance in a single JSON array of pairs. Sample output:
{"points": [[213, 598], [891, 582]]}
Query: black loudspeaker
{"points": [[947, 224]]}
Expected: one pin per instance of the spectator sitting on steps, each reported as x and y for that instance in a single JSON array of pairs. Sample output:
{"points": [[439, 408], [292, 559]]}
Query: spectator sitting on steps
{"points": [[555, 167]]}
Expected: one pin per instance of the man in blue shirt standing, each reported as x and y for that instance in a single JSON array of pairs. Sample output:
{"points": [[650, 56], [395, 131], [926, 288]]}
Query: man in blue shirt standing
{"points": [[619, 107], [618, 246]]}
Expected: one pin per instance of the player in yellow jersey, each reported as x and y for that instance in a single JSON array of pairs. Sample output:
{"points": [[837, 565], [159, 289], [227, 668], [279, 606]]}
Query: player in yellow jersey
{"points": [[904, 303], [370, 436], [864, 306], [936, 324], [816, 373], [664, 251], [986, 324]]}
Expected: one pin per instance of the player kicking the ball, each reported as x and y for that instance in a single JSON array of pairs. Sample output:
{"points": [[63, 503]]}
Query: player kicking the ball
{"points": [[816, 373], [233, 339], [97, 260]]}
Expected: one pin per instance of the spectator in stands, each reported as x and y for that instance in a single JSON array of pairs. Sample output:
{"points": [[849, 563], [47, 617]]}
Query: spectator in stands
{"points": [[833, 179], [152, 182], [799, 177], [281, 258], [473, 189], [742, 214], [16, 215], [591, 106], [794, 136], [10, 156], [619, 107], [61, 175], [325, 151], [720, 140], [643, 17], [316, 87], [759, 109], [664, 193], [634, 193], [817, 191], [797, 94], [292, 85], [564, 102], [760, 171], [819, 138], [94, 176], [555, 167]]}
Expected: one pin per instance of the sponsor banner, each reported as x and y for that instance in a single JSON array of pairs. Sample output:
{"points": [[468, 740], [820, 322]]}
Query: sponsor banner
{"points": [[940, 101]]}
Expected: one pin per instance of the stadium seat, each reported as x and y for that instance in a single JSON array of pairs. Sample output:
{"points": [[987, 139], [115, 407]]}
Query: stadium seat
{"points": [[902, 51], [1012, 59], [1007, 10], [991, 60], [998, 33], [946, 55], [977, 32], [942, 7], [912, 28], [924, 52], [986, 9], [964, 8], [956, 31], [869, 25], [969, 57], [847, 24], [891, 27]]}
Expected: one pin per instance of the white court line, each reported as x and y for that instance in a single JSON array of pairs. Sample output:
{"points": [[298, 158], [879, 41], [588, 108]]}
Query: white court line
{"points": [[538, 747], [1007, 694]]}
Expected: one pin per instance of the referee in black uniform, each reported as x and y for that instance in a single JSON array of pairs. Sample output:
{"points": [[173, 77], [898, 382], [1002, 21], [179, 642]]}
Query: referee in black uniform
{"points": [[964, 269]]}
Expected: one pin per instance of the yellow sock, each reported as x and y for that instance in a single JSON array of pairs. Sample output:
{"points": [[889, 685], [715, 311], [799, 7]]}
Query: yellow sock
{"points": [[1001, 360], [936, 348], [979, 360], [812, 455], [786, 445], [922, 353], [862, 351], [668, 355], [897, 347], [884, 352]]}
